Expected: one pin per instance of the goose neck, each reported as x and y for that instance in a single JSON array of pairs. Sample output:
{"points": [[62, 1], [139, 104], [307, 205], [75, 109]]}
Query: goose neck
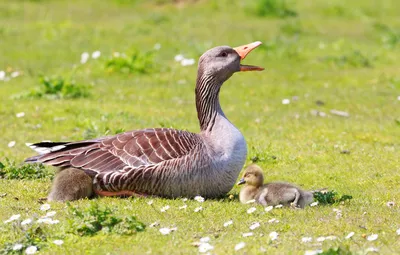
{"points": [[207, 100]]}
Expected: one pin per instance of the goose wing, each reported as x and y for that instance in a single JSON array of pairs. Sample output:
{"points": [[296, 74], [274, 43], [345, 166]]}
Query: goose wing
{"points": [[130, 149]]}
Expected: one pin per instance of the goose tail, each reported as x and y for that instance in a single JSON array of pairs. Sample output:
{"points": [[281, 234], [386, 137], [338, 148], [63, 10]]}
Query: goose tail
{"points": [[44, 148]]}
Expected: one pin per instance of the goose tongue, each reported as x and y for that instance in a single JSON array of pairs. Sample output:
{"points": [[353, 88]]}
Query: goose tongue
{"points": [[243, 51]]}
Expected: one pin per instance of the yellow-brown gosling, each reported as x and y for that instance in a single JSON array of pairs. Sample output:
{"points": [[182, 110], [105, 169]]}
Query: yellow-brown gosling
{"points": [[273, 193], [63, 190]]}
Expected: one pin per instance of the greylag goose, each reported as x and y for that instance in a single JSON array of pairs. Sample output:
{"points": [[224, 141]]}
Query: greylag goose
{"points": [[273, 193], [161, 161]]}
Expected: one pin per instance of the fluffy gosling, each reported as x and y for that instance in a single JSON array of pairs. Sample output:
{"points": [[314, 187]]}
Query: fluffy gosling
{"points": [[273, 193]]}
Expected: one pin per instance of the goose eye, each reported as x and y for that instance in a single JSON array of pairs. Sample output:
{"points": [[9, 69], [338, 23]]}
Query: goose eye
{"points": [[224, 54]]}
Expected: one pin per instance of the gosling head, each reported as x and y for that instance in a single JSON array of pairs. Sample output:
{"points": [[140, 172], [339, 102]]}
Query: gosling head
{"points": [[223, 61], [252, 176]]}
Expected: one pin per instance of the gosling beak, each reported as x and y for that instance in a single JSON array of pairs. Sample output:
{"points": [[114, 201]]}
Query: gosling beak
{"points": [[241, 181], [243, 51]]}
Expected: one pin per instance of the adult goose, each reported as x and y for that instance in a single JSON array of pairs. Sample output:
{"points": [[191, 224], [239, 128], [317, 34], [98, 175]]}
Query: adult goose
{"points": [[161, 161]]}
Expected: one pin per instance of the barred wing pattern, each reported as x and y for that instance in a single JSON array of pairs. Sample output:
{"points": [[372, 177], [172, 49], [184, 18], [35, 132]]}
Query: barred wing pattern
{"points": [[132, 160]]}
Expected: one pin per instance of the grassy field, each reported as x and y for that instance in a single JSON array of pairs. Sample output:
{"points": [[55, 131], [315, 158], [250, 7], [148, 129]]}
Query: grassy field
{"points": [[321, 55]]}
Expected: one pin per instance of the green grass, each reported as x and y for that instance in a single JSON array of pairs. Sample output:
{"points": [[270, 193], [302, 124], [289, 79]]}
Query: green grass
{"points": [[345, 54]]}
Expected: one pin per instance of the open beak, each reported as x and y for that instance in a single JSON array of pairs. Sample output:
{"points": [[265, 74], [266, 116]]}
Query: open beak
{"points": [[241, 181], [243, 51]]}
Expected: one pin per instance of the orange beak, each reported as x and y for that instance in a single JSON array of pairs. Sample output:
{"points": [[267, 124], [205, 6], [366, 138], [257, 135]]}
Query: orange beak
{"points": [[243, 51]]}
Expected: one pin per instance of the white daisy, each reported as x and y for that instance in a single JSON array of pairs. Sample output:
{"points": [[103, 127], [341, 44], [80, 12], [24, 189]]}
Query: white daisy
{"points": [[58, 242], [84, 57], [45, 220], [199, 199], [14, 74], [273, 220], [96, 54], [372, 249], [20, 114], [26, 222], [251, 201], [247, 234], [205, 247], [11, 144], [2, 75], [157, 46], [321, 239], [350, 235], [273, 235], [286, 101], [254, 225], [165, 208], [240, 246], [306, 239], [154, 224], [13, 217], [251, 210], [150, 202], [187, 62], [372, 237], [179, 58], [278, 206], [230, 222], [182, 207], [205, 239], [17, 247], [44, 207], [269, 208], [390, 204], [312, 252], [165, 231], [398, 232], [31, 250], [198, 209], [51, 214], [52, 222], [314, 204]]}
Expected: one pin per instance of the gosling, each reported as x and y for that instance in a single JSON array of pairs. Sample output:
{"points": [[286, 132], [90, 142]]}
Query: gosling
{"points": [[273, 193], [71, 184]]}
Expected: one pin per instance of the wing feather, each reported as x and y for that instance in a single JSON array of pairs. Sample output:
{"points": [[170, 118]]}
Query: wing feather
{"points": [[132, 149]]}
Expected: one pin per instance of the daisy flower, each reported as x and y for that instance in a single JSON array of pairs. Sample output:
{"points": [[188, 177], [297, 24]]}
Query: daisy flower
{"points": [[230, 222], [58, 242], [199, 199], [254, 225], [240, 246], [273, 235], [372, 237], [205, 247], [269, 208], [251, 210], [13, 217], [31, 250], [44, 207], [17, 247], [96, 54]]}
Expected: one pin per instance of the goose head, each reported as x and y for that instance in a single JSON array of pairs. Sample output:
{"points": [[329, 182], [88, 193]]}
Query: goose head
{"points": [[222, 62], [252, 176]]}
